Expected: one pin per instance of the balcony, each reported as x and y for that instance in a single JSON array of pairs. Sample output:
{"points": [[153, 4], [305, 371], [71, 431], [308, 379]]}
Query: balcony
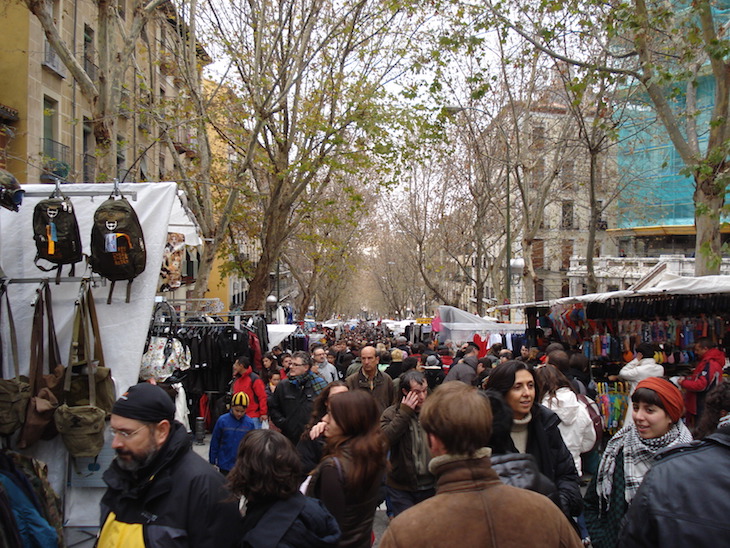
{"points": [[89, 168], [52, 61], [55, 158]]}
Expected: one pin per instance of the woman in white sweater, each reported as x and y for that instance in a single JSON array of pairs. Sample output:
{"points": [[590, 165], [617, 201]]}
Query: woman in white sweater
{"points": [[641, 367], [576, 427]]}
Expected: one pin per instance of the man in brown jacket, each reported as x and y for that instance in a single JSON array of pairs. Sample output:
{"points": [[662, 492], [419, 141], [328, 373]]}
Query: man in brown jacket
{"points": [[370, 378], [472, 507], [408, 481]]}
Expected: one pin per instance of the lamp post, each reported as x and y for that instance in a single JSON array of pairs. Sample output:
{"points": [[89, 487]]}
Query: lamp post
{"points": [[271, 302], [452, 111]]}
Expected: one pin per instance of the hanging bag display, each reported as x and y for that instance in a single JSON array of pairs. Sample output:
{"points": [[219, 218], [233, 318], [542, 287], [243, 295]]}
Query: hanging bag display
{"points": [[14, 393], [45, 388], [81, 426], [117, 243], [56, 233], [78, 359]]}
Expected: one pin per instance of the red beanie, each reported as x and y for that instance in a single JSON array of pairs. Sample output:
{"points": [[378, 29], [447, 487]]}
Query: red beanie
{"points": [[669, 394]]}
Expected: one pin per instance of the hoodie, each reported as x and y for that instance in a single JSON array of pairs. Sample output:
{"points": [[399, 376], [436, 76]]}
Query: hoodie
{"points": [[575, 425]]}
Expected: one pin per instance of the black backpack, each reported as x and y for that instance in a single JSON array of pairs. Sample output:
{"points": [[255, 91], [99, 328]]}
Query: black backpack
{"points": [[56, 234], [117, 243]]}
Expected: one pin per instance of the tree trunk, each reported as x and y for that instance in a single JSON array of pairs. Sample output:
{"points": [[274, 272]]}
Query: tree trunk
{"points": [[591, 282], [708, 203], [528, 275]]}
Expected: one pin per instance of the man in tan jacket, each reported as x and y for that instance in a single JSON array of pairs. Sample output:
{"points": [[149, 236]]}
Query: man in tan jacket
{"points": [[472, 507]]}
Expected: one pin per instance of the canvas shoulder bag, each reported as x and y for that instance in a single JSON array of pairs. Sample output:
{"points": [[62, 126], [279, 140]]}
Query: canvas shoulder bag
{"points": [[81, 426], [45, 387], [14, 393]]}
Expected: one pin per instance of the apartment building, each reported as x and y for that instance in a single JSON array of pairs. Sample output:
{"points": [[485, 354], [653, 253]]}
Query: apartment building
{"points": [[48, 120]]}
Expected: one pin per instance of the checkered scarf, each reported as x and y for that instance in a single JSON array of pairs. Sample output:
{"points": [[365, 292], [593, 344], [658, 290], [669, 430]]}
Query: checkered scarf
{"points": [[317, 383], [638, 455]]}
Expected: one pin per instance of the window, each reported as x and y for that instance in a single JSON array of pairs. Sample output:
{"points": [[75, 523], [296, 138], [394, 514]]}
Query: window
{"points": [[89, 65], [566, 252], [50, 118], [539, 290], [121, 158], [89, 159], [568, 174], [567, 220], [565, 288], [161, 166], [538, 254], [538, 137]]}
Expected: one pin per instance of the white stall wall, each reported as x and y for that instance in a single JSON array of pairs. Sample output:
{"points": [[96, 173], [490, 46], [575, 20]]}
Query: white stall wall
{"points": [[123, 325]]}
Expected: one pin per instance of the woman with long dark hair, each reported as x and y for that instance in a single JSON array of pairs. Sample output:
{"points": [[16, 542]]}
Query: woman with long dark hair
{"points": [[716, 413], [349, 477], [266, 477], [535, 431], [576, 427], [311, 445]]}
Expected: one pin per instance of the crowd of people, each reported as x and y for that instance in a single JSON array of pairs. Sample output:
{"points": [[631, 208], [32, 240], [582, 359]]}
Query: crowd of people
{"points": [[479, 451]]}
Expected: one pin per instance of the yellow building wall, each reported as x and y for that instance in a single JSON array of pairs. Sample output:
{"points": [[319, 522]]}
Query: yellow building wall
{"points": [[14, 28], [218, 287]]}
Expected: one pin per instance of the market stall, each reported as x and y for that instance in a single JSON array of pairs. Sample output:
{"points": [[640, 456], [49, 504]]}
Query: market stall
{"points": [[123, 325], [460, 326]]}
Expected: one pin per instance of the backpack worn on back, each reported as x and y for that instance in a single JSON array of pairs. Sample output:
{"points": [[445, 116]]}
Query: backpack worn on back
{"points": [[56, 234], [596, 419], [117, 243]]}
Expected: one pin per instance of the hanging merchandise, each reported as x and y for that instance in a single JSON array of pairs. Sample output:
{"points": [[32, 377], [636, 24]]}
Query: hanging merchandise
{"points": [[14, 393], [162, 357], [117, 243], [45, 388], [78, 359], [56, 233], [613, 401], [81, 426]]}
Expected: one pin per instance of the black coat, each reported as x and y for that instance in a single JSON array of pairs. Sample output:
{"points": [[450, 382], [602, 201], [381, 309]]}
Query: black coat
{"points": [[545, 443], [683, 500], [290, 408], [177, 496], [299, 521]]}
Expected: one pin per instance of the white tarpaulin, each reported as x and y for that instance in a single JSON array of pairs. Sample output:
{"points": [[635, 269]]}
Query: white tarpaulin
{"points": [[123, 325], [671, 284], [278, 332], [460, 326]]}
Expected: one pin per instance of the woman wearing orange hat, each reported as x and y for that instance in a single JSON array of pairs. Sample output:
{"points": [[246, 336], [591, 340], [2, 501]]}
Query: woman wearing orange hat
{"points": [[657, 409]]}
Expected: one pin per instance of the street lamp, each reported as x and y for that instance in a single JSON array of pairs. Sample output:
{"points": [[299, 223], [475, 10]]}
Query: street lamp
{"points": [[271, 301], [454, 110]]}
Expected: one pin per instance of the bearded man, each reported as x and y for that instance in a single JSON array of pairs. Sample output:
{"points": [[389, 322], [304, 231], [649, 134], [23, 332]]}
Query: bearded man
{"points": [[160, 493]]}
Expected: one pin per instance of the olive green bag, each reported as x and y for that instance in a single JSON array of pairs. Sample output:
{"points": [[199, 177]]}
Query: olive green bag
{"points": [[80, 358], [14, 393], [81, 426]]}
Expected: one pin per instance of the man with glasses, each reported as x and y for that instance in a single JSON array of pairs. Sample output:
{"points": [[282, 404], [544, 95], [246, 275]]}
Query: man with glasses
{"points": [[322, 366], [290, 405], [158, 488]]}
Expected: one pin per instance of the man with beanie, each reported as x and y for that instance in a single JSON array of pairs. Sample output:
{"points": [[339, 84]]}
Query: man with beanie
{"points": [[160, 493]]}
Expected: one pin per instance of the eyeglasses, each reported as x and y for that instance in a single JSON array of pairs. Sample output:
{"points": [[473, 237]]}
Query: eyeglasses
{"points": [[124, 434]]}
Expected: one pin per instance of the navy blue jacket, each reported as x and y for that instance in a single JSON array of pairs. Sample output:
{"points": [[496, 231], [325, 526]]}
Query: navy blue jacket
{"points": [[227, 435]]}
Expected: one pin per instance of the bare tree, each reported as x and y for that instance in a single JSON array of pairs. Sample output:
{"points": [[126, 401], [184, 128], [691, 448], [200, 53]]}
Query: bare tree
{"points": [[313, 75], [671, 51]]}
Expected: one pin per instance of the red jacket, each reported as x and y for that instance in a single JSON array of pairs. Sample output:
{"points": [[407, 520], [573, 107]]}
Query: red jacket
{"points": [[255, 391], [706, 375]]}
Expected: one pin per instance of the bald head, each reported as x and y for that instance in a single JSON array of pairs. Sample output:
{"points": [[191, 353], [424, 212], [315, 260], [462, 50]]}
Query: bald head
{"points": [[369, 359]]}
